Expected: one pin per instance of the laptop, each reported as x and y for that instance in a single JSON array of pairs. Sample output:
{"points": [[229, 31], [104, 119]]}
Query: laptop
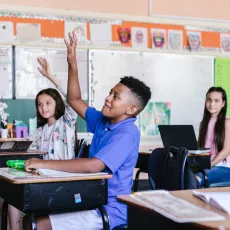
{"points": [[180, 136], [14, 145]]}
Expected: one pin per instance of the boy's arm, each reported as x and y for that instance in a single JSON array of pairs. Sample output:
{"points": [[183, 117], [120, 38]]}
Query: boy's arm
{"points": [[79, 165], [74, 91]]}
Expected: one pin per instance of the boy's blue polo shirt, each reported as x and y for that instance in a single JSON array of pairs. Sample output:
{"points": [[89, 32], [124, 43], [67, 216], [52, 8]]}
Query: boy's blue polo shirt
{"points": [[117, 147]]}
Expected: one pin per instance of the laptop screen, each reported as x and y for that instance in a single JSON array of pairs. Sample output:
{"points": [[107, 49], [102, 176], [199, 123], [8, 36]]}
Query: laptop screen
{"points": [[178, 136]]}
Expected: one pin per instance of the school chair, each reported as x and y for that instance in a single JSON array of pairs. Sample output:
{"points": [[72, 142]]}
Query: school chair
{"points": [[168, 169], [81, 148], [121, 227]]}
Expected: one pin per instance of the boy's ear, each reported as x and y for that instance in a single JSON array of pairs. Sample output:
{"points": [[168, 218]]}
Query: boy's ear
{"points": [[132, 110]]}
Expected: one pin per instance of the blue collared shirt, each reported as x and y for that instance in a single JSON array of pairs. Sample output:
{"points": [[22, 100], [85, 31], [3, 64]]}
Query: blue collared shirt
{"points": [[117, 147]]}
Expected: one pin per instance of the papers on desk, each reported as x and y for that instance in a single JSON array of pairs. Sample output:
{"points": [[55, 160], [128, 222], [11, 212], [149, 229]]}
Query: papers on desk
{"points": [[174, 208], [55, 173], [220, 200], [16, 174], [47, 173]]}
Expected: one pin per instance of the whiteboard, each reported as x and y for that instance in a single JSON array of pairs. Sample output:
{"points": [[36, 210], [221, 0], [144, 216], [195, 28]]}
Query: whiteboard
{"points": [[6, 72], [28, 79], [182, 80]]}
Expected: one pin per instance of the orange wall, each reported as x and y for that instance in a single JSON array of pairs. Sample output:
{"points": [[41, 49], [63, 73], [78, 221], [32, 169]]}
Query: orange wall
{"points": [[215, 9]]}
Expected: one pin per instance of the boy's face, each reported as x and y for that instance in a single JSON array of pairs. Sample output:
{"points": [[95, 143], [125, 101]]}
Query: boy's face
{"points": [[120, 104]]}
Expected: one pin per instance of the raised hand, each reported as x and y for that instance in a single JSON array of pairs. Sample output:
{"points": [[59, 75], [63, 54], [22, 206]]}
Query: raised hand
{"points": [[45, 67], [71, 48]]}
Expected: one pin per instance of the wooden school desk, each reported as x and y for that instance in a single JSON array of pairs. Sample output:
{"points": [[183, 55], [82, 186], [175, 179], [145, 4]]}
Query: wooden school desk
{"points": [[142, 217], [197, 162], [43, 196], [24, 155]]}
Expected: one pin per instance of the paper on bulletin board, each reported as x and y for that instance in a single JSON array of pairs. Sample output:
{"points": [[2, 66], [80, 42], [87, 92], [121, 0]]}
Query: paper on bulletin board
{"points": [[28, 32], [78, 28], [100, 34], [225, 43], [154, 114], [5, 72], [6, 31], [158, 37], [175, 39], [139, 37], [222, 76]]}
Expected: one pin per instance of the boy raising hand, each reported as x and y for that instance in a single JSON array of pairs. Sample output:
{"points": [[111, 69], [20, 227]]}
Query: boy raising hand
{"points": [[114, 148]]}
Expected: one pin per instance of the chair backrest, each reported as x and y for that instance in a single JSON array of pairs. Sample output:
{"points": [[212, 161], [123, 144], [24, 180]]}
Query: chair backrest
{"points": [[168, 169], [156, 166], [174, 168], [81, 149]]}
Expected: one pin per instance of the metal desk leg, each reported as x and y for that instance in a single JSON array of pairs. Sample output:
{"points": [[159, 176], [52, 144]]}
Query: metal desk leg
{"points": [[33, 224], [105, 218], [4, 215], [136, 182]]}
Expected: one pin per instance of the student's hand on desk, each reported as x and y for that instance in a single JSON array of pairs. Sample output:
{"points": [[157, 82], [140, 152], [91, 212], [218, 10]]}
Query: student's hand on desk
{"points": [[34, 163], [45, 67], [71, 48]]}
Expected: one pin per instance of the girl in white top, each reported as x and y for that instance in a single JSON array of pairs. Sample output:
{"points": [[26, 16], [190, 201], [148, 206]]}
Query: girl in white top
{"points": [[56, 127], [56, 120]]}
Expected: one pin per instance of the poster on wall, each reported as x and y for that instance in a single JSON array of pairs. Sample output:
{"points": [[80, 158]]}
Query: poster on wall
{"points": [[158, 37], [194, 40], [139, 37], [79, 28], [154, 114], [175, 39]]}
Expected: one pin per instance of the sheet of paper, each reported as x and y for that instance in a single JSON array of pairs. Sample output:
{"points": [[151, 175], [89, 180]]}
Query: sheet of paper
{"points": [[100, 34], [79, 28], [174, 208], [28, 32], [175, 39], [5, 72], [56, 173], [139, 37], [6, 32], [16, 174]]}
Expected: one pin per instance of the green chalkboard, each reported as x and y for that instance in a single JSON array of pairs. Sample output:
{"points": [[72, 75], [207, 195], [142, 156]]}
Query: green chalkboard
{"points": [[23, 109]]}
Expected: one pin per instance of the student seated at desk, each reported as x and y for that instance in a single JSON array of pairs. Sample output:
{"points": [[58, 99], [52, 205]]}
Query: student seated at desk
{"points": [[56, 122], [215, 134], [114, 148]]}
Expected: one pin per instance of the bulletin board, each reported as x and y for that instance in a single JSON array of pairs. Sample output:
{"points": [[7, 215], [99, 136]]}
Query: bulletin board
{"points": [[29, 81], [104, 32]]}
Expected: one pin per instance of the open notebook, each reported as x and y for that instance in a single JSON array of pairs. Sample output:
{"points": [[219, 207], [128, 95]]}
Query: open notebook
{"points": [[220, 200], [21, 174], [55, 173]]}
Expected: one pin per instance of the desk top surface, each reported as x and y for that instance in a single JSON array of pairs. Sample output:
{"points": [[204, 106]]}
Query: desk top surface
{"points": [[39, 179], [187, 195], [147, 150], [22, 153]]}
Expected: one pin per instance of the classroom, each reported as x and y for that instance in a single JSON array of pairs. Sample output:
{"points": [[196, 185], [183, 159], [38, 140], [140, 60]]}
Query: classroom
{"points": [[114, 114]]}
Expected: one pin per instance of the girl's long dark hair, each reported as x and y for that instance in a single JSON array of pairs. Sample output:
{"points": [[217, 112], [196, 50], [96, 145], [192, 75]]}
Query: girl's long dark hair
{"points": [[219, 129], [59, 109]]}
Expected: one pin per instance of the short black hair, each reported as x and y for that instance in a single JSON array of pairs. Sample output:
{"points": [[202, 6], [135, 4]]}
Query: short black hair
{"points": [[141, 91]]}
